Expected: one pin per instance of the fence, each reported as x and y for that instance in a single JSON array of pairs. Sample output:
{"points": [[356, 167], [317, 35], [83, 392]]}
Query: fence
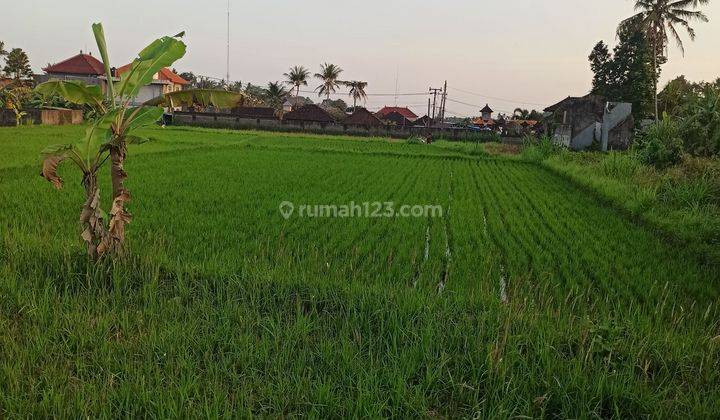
{"points": [[230, 121], [42, 116]]}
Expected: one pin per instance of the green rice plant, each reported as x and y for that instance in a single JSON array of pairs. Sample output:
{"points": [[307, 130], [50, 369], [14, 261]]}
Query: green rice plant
{"points": [[691, 192], [225, 308], [620, 165]]}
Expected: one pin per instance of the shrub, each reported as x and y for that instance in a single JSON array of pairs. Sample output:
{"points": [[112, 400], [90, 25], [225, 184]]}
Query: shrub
{"points": [[620, 165], [660, 144], [538, 149], [701, 124], [415, 140]]}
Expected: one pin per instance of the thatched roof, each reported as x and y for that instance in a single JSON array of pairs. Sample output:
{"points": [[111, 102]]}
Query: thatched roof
{"points": [[255, 112], [362, 116], [309, 113]]}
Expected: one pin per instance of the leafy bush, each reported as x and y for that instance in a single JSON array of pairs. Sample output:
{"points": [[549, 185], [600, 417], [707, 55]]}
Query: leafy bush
{"points": [[660, 144], [539, 149], [690, 192], [700, 129], [620, 165]]}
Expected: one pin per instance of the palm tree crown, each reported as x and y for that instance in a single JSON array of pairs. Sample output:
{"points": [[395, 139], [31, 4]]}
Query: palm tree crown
{"points": [[657, 18], [357, 91], [275, 94], [297, 76], [329, 74]]}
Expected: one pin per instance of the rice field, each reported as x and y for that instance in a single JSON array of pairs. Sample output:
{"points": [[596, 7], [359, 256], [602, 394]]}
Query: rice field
{"points": [[528, 297]]}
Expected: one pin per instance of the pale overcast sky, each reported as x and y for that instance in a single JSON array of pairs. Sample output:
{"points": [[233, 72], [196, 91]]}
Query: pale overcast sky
{"points": [[511, 53]]}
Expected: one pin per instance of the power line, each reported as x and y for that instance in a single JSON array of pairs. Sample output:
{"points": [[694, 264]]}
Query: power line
{"points": [[496, 98]]}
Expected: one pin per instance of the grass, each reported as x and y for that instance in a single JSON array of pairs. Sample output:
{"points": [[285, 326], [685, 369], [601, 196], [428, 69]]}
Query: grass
{"points": [[680, 202], [224, 308]]}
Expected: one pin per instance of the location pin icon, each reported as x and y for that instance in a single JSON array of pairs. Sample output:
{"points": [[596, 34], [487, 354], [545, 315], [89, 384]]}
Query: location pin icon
{"points": [[286, 209]]}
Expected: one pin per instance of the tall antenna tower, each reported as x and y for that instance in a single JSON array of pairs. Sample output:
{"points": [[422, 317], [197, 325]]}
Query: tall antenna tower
{"points": [[397, 78], [227, 74]]}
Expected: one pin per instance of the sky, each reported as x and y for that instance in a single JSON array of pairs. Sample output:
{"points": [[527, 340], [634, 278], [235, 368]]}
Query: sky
{"points": [[512, 53]]}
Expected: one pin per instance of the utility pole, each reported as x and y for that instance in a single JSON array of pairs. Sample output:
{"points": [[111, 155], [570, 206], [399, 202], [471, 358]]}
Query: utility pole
{"points": [[427, 122], [434, 92], [442, 104], [227, 75]]}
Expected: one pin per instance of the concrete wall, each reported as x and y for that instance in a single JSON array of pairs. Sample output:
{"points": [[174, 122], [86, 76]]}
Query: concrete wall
{"points": [[43, 116], [230, 121]]}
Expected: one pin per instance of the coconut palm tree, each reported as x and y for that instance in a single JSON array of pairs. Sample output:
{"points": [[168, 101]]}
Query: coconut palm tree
{"points": [[357, 91], [329, 74], [521, 114], [657, 18], [275, 95], [297, 76]]}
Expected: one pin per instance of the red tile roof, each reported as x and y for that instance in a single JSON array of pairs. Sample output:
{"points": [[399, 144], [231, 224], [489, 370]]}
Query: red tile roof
{"points": [[164, 74], [405, 112], [84, 64]]}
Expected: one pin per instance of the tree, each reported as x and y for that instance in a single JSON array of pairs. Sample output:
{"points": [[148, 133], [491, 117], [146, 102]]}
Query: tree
{"points": [[521, 114], [106, 139], [275, 95], [17, 65], [676, 94], [357, 91], [631, 72], [536, 115], [297, 77], [329, 74], [600, 60], [657, 18], [627, 73]]}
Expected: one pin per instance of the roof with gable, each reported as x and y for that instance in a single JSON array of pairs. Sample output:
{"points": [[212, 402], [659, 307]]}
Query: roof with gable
{"points": [[480, 121], [397, 118], [254, 112], [309, 113], [164, 74], [487, 109], [84, 64], [405, 112], [362, 116]]}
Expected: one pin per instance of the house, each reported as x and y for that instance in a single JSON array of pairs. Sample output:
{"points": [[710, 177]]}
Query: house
{"points": [[363, 117], [294, 102], [398, 119], [403, 111], [309, 114], [486, 112], [164, 81], [520, 127], [254, 113], [91, 71], [81, 67], [578, 122], [423, 121]]}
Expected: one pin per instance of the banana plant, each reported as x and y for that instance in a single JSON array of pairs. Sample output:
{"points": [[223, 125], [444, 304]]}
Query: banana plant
{"points": [[107, 137]]}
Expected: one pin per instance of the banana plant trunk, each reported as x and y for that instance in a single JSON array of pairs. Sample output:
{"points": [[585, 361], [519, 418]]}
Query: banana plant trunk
{"points": [[119, 217], [94, 232]]}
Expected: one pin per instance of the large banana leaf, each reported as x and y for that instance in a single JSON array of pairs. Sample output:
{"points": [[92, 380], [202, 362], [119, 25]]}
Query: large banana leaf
{"points": [[203, 97], [52, 156], [73, 91], [161, 53], [142, 116], [102, 46]]}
